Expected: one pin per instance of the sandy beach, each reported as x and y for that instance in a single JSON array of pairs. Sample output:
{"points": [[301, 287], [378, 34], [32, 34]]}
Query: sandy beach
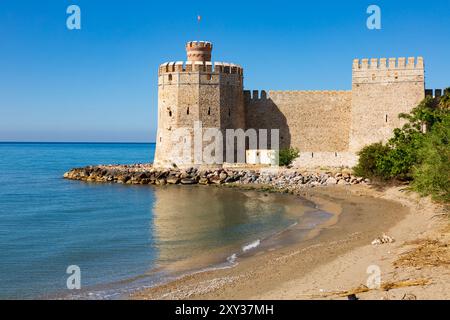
{"points": [[334, 262]]}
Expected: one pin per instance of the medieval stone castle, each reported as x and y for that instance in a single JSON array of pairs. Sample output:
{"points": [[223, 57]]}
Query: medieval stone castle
{"points": [[328, 127]]}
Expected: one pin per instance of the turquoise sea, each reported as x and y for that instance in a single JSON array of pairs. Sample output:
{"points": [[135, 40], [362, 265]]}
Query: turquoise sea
{"points": [[121, 237]]}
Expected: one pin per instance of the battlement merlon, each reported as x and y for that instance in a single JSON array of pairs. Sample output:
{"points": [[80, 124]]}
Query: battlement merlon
{"points": [[388, 70], [200, 66], [255, 95], [199, 44], [434, 93], [388, 63]]}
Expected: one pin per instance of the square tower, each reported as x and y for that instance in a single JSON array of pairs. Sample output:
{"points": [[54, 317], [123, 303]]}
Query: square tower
{"points": [[381, 90]]}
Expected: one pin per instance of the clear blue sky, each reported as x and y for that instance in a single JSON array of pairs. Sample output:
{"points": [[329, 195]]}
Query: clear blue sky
{"points": [[99, 83]]}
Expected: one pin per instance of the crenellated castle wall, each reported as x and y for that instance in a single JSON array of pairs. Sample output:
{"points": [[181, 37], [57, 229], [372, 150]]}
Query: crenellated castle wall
{"points": [[434, 93], [381, 90], [328, 127], [312, 121], [196, 91], [201, 66]]}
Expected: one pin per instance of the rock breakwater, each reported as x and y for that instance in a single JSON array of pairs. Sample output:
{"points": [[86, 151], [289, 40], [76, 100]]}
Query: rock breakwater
{"points": [[146, 174]]}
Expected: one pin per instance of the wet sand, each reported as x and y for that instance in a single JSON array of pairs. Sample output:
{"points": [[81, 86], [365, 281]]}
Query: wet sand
{"points": [[335, 258]]}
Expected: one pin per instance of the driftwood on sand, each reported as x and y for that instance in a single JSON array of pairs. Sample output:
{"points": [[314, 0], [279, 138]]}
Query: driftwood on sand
{"points": [[384, 287]]}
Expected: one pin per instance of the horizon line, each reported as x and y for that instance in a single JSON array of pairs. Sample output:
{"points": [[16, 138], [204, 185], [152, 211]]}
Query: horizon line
{"points": [[77, 142]]}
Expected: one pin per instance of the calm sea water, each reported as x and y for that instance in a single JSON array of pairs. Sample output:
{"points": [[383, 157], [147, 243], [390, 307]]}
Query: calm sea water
{"points": [[120, 236]]}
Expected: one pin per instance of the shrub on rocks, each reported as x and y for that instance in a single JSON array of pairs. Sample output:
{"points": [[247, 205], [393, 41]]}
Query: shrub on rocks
{"points": [[286, 156]]}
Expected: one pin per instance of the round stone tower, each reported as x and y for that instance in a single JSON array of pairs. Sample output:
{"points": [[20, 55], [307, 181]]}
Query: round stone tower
{"points": [[199, 50], [196, 94]]}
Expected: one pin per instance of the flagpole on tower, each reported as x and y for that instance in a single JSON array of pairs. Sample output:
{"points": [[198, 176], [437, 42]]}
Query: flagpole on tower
{"points": [[199, 19]]}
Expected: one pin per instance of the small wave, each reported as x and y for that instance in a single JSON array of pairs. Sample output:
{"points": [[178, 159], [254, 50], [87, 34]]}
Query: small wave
{"points": [[251, 246], [232, 259]]}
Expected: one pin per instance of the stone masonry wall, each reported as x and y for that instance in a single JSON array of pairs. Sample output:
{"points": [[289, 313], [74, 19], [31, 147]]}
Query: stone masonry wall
{"points": [[328, 127], [190, 92], [381, 90], [312, 121]]}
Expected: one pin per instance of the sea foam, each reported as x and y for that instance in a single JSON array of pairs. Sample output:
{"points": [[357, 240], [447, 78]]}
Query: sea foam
{"points": [[232, 259], [251, 246]]}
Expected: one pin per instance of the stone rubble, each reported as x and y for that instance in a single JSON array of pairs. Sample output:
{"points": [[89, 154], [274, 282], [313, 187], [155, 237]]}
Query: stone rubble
{"points": [[382, 240]]}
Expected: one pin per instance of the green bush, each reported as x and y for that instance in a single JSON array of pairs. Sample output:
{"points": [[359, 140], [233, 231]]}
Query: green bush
{"points": [[372, 163], [286, 156], [402, 155], [413, 153], [431, 176]]}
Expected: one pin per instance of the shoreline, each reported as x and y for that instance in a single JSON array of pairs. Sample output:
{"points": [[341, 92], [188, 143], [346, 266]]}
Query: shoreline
{"points": [[330, 263], [335, 261], [269, 268]]}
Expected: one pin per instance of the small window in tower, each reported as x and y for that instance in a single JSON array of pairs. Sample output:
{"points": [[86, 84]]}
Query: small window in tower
{"points": [[386, 118], [396, 76], [312, 154], [170, 77], [170, 113], [335, 154], [160, 139], [229, 112], [187, 111], [209, 111], [209, 76]]}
